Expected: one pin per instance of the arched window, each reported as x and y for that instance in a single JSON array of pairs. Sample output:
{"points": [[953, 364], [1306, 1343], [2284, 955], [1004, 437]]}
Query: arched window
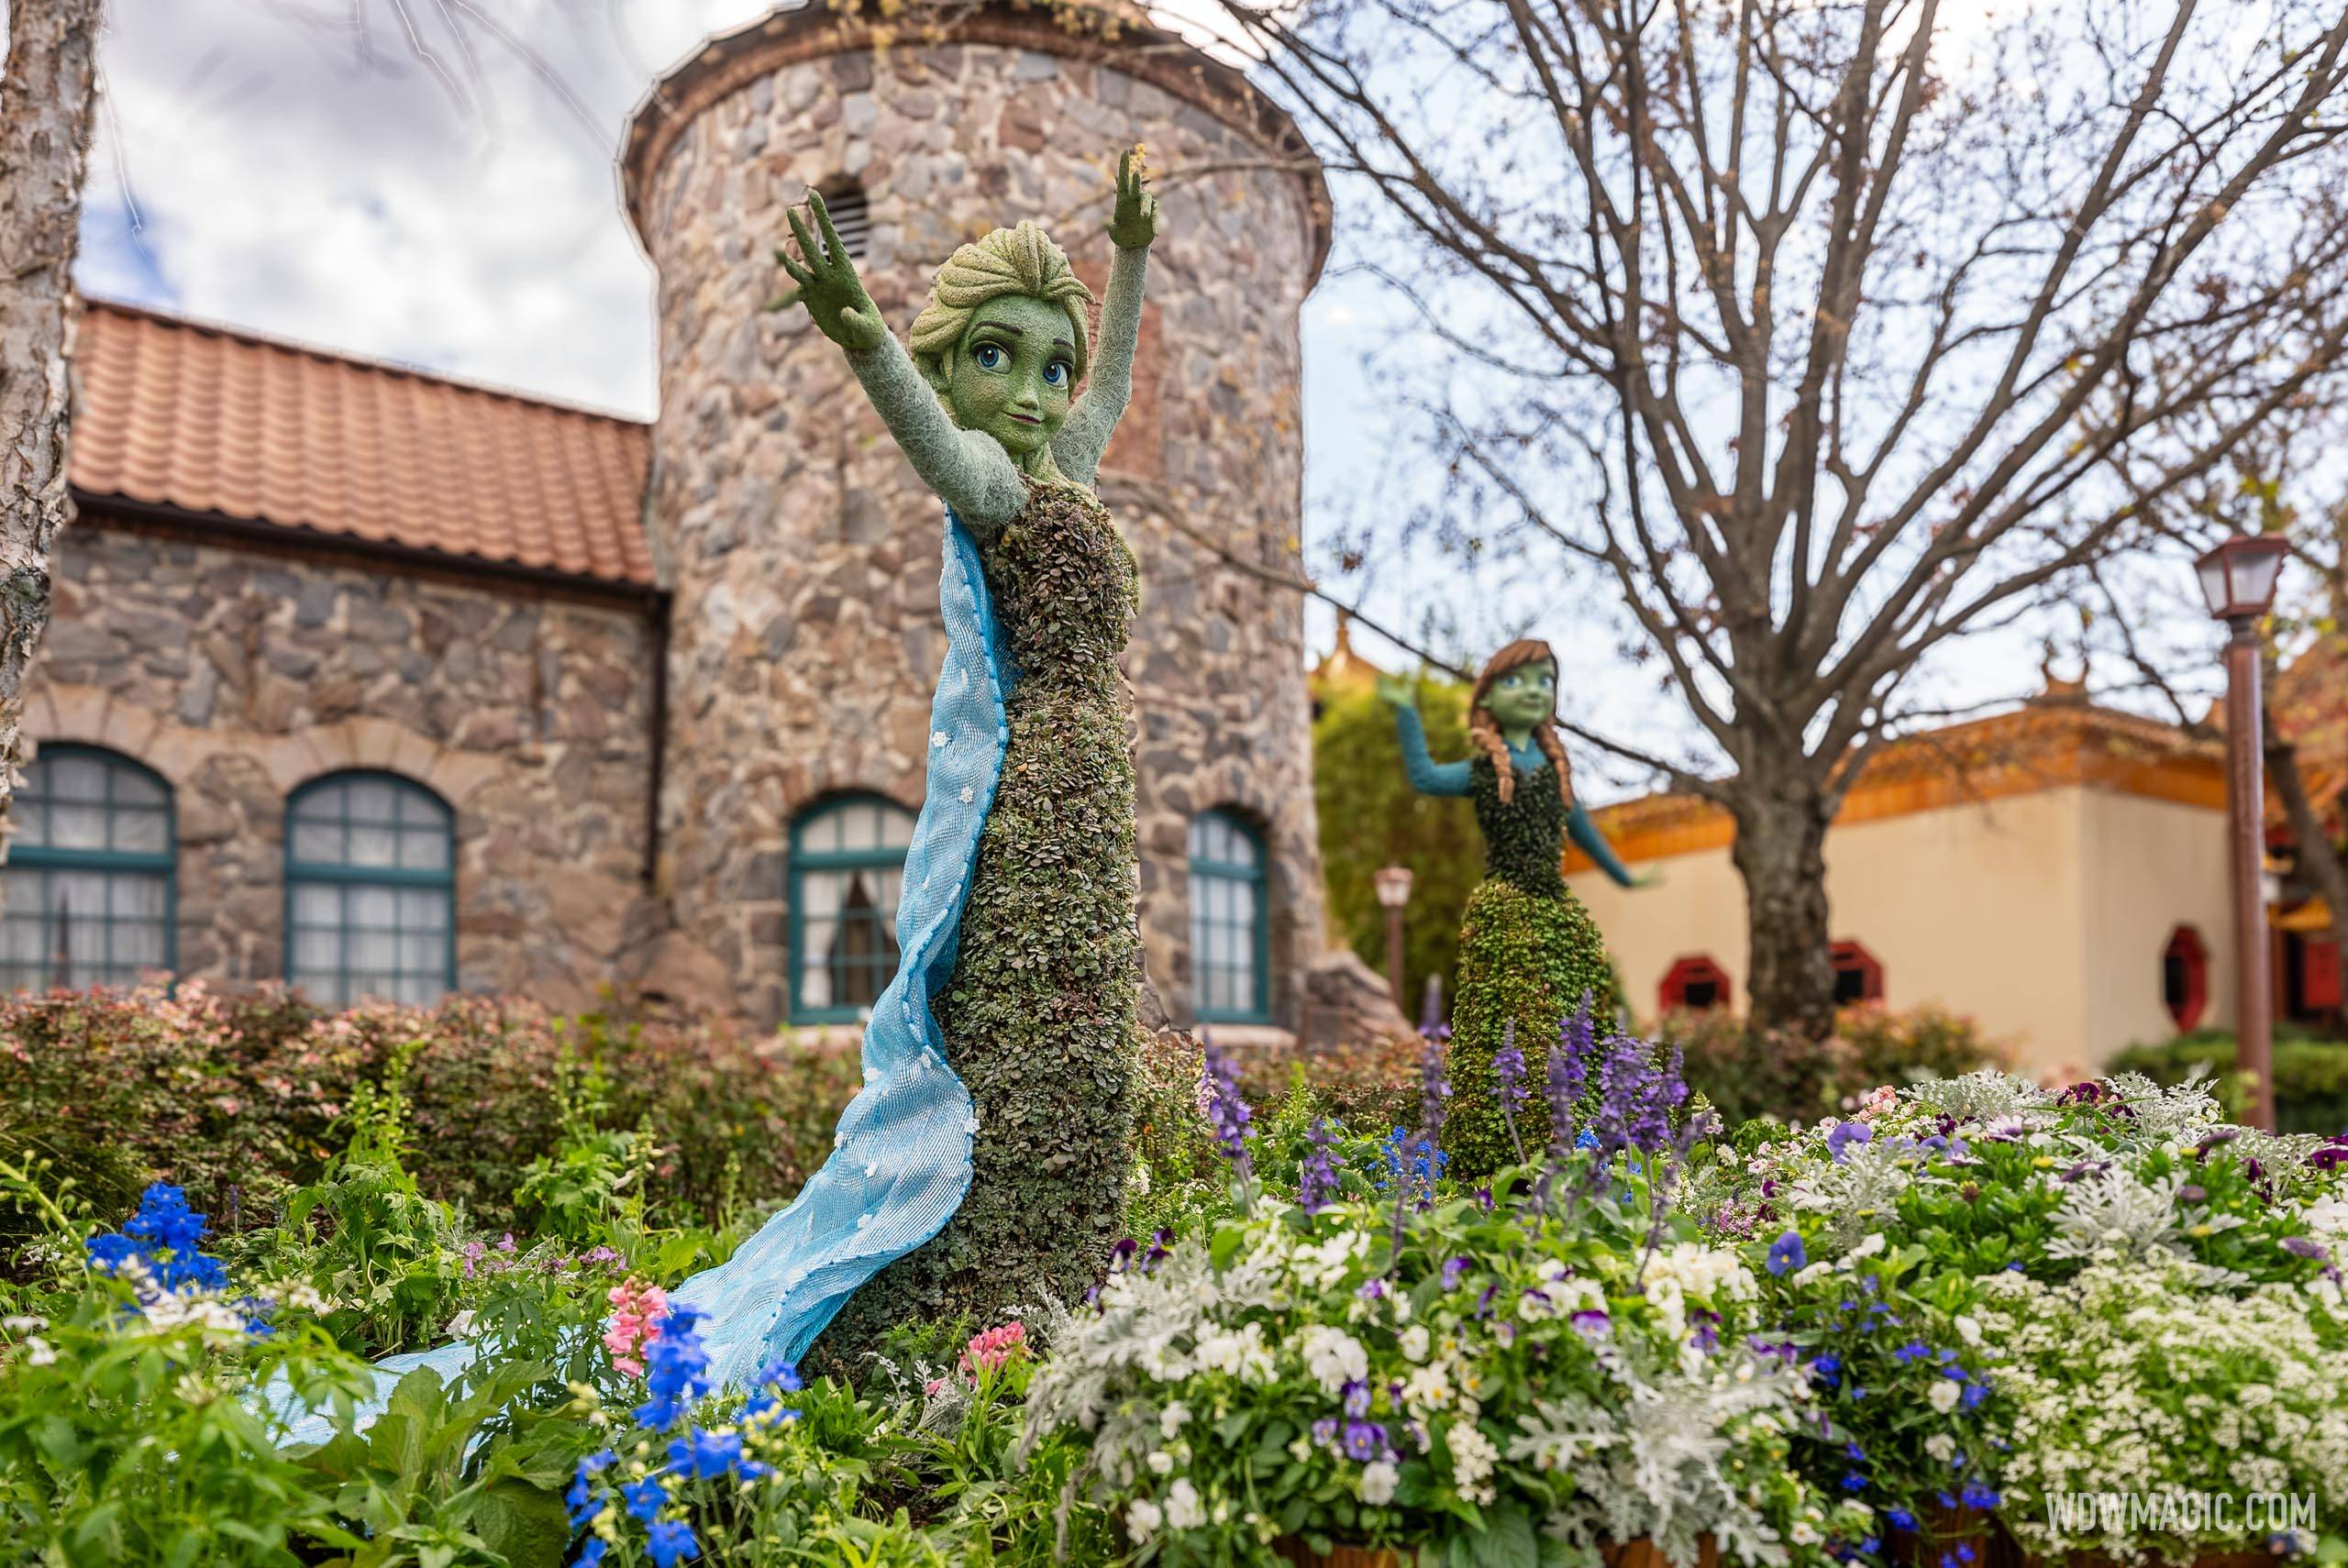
{"points": [[92, 873], [1695, 985], [1230, 935], [2185, 977], [1858, 975], [847, 870], [370, 889]]}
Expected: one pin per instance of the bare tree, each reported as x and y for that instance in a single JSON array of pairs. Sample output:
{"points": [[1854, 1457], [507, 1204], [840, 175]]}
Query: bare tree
{"points": [[47, 97], [1816, 337]]}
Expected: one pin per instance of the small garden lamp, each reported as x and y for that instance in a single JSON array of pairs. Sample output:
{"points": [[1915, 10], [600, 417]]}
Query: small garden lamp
{"points": [[1394, 893], [2238, 580]]}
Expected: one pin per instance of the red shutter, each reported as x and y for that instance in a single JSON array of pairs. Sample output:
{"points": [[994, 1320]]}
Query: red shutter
{"points": [[2318, 976]]}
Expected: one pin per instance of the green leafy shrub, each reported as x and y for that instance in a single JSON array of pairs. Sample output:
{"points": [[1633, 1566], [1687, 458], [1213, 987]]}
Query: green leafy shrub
{"points": [[1370, 817], [1750, 1074], [2311, 1075], [236, 1098]]}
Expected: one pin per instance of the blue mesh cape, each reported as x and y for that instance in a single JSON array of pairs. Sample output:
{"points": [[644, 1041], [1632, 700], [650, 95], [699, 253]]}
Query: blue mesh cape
{"points": [[900, 1161]]}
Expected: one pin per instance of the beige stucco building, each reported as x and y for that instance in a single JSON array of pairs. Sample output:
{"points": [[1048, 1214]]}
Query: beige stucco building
{"points": [[2058, 872]]}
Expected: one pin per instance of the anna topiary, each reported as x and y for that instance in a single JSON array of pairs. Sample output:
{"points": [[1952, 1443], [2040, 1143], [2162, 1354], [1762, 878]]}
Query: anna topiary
{"points": [[1528, 951]]}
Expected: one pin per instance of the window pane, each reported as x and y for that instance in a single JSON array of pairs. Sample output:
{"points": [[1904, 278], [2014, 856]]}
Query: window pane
{"points": [[896, 828], [819, 894], [139, 896], [317, 904], [372, 847], [142, 830], [423, 909], [77, 827], [424, 849], [424, 953], [371, 800], [372, 909], [317, 843], [135, 789], [317, 950], [78, 777]]}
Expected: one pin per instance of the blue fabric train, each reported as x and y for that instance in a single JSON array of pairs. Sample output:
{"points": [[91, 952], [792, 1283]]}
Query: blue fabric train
{"points": [[900, 1161]]}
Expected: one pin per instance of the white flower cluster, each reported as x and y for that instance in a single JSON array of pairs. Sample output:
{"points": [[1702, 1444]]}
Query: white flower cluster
{"points": [[2135, 1379]]}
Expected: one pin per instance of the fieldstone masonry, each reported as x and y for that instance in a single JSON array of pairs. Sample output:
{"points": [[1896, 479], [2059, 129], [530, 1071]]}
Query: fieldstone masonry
{"points": [[239, 674], [804, 552]]}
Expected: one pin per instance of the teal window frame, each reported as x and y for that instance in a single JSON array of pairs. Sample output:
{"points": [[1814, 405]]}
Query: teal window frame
{"points": [[1204, 868], [300, 874], [805, 860], [104, 862]]}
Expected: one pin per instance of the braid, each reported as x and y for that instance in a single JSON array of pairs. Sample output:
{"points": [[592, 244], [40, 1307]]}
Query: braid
{"points": [[1483, 730], [1554, 749]]}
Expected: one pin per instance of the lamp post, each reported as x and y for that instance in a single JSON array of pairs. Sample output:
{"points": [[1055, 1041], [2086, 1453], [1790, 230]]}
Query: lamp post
{"points": [[2238, 581], [1394, 893]]}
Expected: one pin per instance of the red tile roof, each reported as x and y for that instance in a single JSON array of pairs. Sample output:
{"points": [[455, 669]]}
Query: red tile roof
{"points": [[205, 420]]}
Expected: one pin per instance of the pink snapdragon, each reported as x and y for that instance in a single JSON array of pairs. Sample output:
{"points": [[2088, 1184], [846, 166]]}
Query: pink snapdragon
{"points": [[990, 1350], [637, 1311]]}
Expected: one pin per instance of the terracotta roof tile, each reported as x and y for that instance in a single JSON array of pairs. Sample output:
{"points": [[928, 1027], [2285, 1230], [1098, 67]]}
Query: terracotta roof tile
{"points": [[200, 418]]}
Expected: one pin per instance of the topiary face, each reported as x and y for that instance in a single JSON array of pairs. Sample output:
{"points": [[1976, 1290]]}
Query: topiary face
{"points": [[1524, 697], [1015, 373]]}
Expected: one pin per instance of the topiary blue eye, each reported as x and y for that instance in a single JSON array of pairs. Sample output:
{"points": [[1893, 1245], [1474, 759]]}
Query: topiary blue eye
{"points": [[990, 357], [1056, 374]]}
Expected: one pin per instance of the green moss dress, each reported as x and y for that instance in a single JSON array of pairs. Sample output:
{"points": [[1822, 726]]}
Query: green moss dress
{"points": [[1039, 1018], [1528, 950]]}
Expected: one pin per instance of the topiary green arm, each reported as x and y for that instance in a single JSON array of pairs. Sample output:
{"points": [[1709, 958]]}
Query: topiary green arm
{"points": [[1584, 833], [968, 469], [1427, 776], [1079, 446]]}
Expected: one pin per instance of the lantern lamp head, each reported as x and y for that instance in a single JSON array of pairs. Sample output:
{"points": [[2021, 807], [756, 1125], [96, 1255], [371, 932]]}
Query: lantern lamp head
{"points": [[2238, 577], [1393, 886]]}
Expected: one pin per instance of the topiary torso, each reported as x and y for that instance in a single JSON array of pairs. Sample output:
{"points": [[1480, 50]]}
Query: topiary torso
{"points": [[1039, 1018], [1524, 837], [1528, 951]]}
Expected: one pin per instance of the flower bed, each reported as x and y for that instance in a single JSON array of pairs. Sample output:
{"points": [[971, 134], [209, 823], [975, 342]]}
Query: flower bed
{"points": [[1916, 1334]]}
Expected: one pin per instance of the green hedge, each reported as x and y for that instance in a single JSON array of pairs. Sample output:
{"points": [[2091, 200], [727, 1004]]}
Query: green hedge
{"points": [[235, 1098], [2311, 1075], [1750, 1075]]}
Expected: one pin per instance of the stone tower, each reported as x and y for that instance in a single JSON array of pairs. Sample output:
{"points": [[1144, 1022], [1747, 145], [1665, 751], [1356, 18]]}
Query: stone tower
{"points": [[803, 552]]}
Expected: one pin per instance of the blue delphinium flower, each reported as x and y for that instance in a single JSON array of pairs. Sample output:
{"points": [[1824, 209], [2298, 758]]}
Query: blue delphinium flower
{"points": [[701, 1454], [676, 1371], [592, 1553], [164, 1235], [1786, 1253], [1226, 1110], [582, 1500], [645, 1498], [1317, 1182], [671, 1543]]}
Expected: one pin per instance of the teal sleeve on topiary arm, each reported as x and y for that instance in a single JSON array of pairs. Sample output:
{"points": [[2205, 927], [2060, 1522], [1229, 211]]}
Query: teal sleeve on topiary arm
{"points": [[968, 469], [1584, 833], [1079, 446], [1427, 776]]}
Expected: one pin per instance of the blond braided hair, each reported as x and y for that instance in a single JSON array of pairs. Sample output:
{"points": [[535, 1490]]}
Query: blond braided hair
{"points": [[1021, 260], [1484, 731]]}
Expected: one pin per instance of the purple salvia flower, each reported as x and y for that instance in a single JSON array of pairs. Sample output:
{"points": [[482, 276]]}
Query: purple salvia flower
{"points": [[1508, 1072], [1317, 1182], [1636, 1096], [1433, 1089], [1227, 1111], [2306, 1247]]}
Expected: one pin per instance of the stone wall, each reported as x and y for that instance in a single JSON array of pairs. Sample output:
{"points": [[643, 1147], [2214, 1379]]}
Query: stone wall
{"points": [[240, 674], [803, 551]]}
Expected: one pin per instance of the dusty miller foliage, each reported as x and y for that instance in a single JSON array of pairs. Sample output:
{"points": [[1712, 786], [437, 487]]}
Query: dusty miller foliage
{"points": [[1986, 1095]]}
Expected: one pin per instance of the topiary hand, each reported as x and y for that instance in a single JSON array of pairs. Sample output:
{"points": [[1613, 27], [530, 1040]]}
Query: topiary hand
{"points": [[1134, 224], [826, 283], [1394, 691]]}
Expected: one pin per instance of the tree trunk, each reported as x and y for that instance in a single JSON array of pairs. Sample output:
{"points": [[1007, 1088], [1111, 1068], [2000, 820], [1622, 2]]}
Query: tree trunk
{"points": [[2319, 859], [46, 101], [1781, 854]]}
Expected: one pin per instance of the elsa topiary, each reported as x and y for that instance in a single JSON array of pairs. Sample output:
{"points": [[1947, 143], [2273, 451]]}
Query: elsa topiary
{"points": [[1034, 1003], [1528, 951]]}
